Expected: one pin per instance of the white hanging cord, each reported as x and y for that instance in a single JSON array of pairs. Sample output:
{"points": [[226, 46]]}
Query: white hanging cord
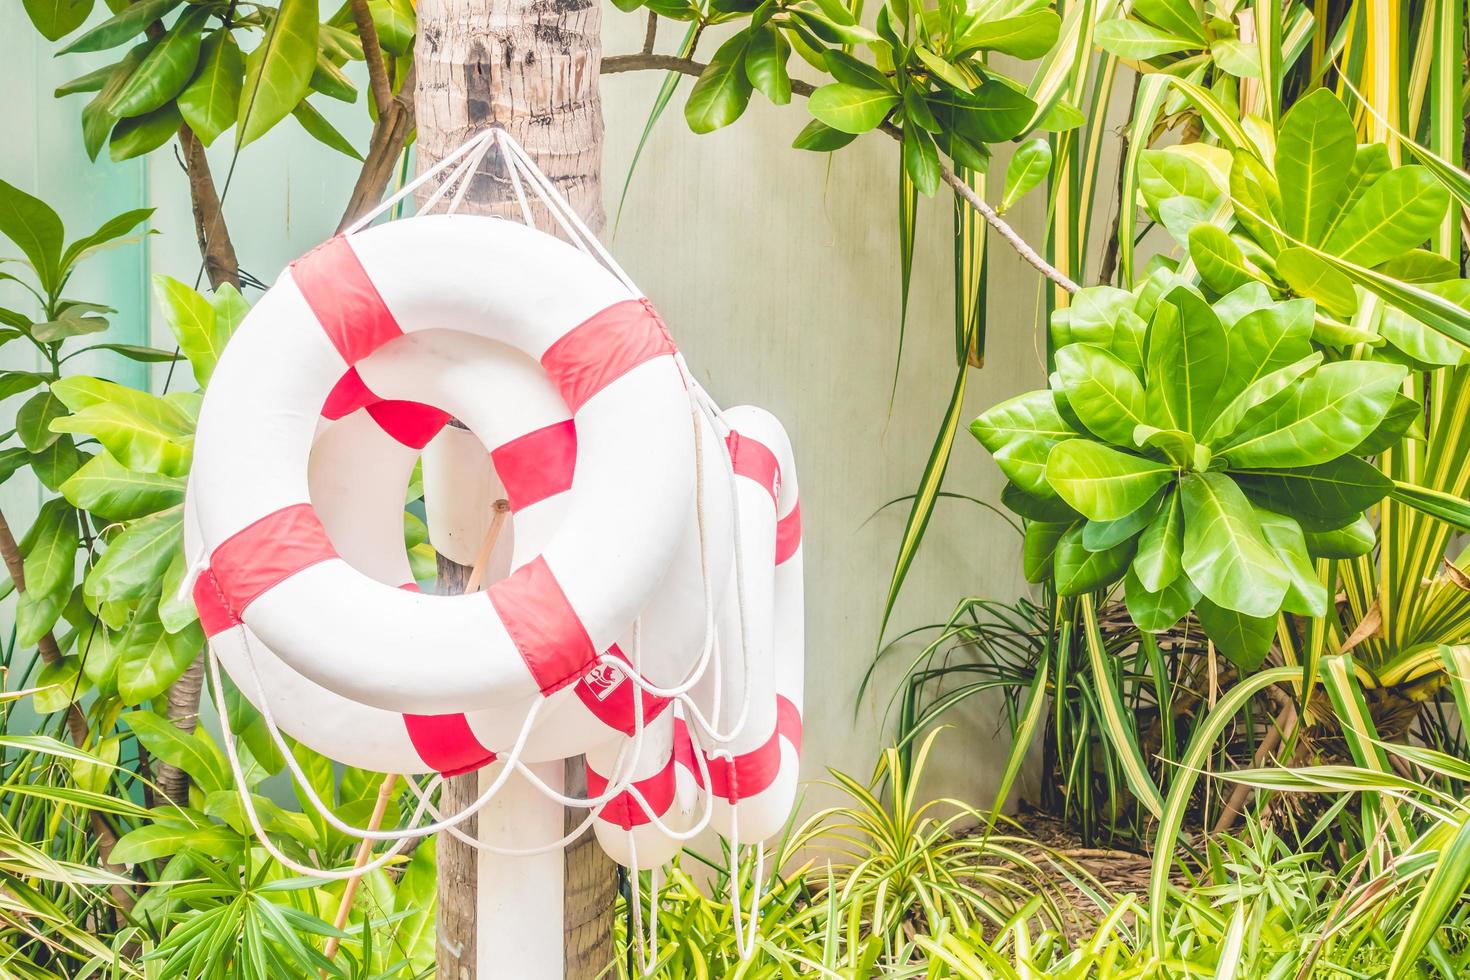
{"points": [[744, 943], [415, 184], [647, 948]]}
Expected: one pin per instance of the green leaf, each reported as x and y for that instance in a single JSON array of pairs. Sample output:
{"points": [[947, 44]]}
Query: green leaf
{"points": [[1137, 41], [993, 113], [136, 559], [98, 119], [34, 419], [55, 464], [1398, 212], [1078, 570], [1102, 483], [1039, 548], [332, 81], [1050, 509], [921, 159], [1305, 593], [11, 460], [50, 549], [1220, 261], [323, 132], [1345, 542], [1449, 508], [1187, 362], [278, 72], [1242, 639], [166, 70], [1321, 497], [175, 610], [151, 658], [1257, 399], [1028, 167], [111, 491], [1445, 888], [196, 754], [818, 137], [1314, 156], [194, 323], [1154, 612], [1104, 392], [1405, 419], [1029, 35], [55, 19], [723, 90], [150, 842], [143, 134], [1176, 16], [1020, 433], [765, 64], [1257, 201], [35, 229], [1319, 418], [109, 231], [1418, 341], [394, 20], [851, 109], [1102, 535], [57, 682], [1225, 553], [144, 432], [15, 382], [211, 101], [72, 323], [92, 81], [1260, 342], [122, 27], [1161, 546]]}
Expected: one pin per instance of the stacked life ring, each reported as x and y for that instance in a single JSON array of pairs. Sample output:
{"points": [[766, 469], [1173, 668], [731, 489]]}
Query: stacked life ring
{"points": [[616, 583]]}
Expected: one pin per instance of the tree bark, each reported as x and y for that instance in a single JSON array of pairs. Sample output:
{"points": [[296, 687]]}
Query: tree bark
{"points": [[532, 67]]}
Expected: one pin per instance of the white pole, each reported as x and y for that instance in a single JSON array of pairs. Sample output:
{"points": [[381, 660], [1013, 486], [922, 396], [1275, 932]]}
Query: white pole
{"points": [[519, 913]]}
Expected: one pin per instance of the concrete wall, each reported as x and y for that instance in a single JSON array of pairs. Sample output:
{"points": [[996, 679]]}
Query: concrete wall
{"points": [[778, 273]]}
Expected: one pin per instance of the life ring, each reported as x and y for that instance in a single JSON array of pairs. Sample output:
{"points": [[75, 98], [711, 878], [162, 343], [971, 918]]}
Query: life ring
{"points": [[271, 564], [359, 465], [753, 775]]}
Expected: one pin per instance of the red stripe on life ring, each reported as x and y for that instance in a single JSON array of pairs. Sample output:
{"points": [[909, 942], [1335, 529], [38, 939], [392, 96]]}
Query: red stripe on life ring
{"points": [[608, 694], [446, 743], [538, 464], [625, 811], [543, 625], [259, 557], [755, 461], [754, 771], [603, 348], [345, 301], [788, 534], [348, 395], [412, 424]]}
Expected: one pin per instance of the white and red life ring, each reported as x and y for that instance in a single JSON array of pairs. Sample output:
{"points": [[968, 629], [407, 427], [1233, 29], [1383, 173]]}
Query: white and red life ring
{"points": [[271, 564], [359, 466]]}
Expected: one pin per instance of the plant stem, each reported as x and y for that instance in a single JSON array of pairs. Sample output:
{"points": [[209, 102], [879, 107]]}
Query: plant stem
{"points": [[390, 133], [619, 64], [372, 53]]}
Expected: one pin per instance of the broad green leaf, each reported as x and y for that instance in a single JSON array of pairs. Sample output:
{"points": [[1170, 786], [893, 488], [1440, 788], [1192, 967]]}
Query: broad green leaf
{"points": [[992, 113], [765, 64], [122, 27], [166, 70], [92, 81], [1163, 175], [211, 101], [1220, 261], [1404, 420], [1242, 639], [136, 558], [1176, 16], [106, 488], [176, 605], [1257, 201], [151, 658], [1161, 546], [1351, 541], [330, 80], [35, 229], [394, 20], [1102, 483], [1137, 41], [319, 129], [723, 90], [1369, 164], [1256, 399], [140, 135], [50, 549], [34, 419], [1225, 553], [1319, 418], [73, 323], [144, 432], [1027, 168], [1154, 612], [1314, 156], [1078, 570], [152, 841], [921, 159], [1187, 363], [1029, 35], [196, 754], [1261, 341], [1104, 392], [194, 323], [1049, 509], [942, 70], [1092, 317], [278, 72], [1418, 341], [15, 382], [109, 231], [1179, 447], [1321, 497], [1233, 306], [98, 119], [56, 682], [36, 613], [1237, 58], [1020, 433], [1305, 593], [1398, 212], [55, 19], [818, 137], [1102, 535], [851, 109], [1039, 548], [55, 464]]}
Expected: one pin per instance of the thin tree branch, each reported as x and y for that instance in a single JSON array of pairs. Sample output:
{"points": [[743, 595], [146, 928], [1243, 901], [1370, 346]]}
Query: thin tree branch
{"points": [[651, 34], [618, 64], [372, 53], [220, 262], [390, 133]]}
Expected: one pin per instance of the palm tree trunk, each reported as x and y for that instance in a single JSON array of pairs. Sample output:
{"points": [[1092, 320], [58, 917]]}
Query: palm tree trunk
{"points": [[531, 66]]}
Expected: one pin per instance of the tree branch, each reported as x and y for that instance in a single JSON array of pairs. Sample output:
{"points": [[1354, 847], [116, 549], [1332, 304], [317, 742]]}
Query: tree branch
{"points": [[390, 133], [372, 53], [215, 248], [618, 64]]}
